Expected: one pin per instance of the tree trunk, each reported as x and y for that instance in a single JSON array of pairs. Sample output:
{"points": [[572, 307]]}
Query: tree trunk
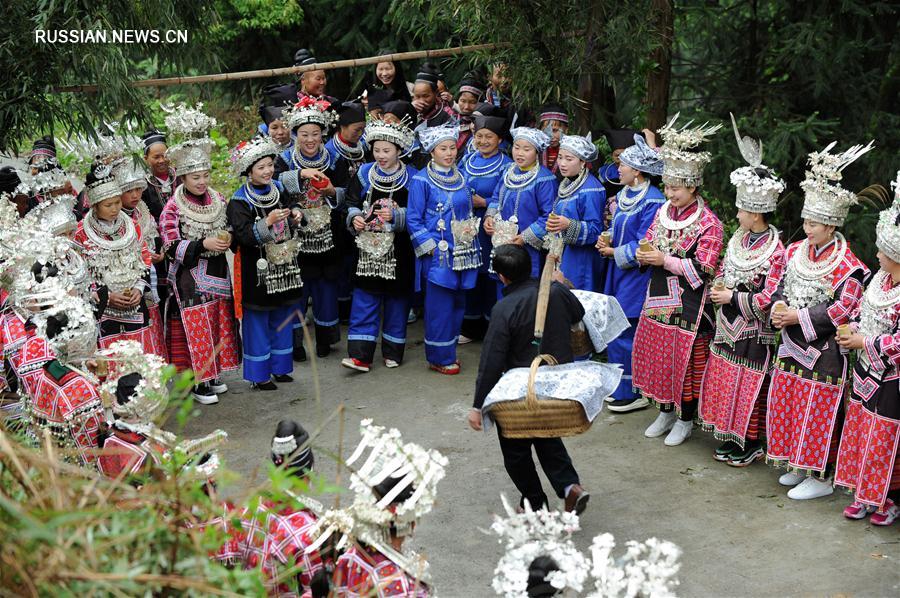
{"points": [[590, 78], [659, 79]]}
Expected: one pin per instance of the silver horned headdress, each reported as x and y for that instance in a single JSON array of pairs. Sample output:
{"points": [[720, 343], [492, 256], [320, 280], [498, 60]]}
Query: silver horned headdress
{"points": [[888, 228], [682, 165], [192, 126], [757, 186], [824, 200]]}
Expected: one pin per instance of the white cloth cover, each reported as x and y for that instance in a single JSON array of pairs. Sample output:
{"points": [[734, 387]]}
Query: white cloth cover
{"points": [[587, 382]]}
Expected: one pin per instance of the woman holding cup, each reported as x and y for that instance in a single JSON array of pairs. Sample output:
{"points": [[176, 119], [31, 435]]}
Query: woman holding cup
{"points": [[266, 256], [736, 381], [576, 214], [637, 204], [671, 344], [867, 461], [201, 327], [821, 288]]}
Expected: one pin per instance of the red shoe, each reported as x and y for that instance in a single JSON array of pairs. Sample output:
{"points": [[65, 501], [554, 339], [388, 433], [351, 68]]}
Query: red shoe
{"points": [[886, 515], [857, 510], [352, 363], [447, 370]]}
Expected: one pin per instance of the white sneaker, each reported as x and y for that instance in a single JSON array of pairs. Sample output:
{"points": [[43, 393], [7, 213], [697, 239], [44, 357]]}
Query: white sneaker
{"points": [[681, 431], [218, 386], [390, 363], [205, 399], [791, 479], [811, 488], [610, 399], [463, 340], [664, 422]]}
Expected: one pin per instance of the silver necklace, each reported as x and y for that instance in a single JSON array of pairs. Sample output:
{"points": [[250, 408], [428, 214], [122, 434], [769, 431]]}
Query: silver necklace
{"points": [[388, 183], [808, 283], [451, 182], [351, 153], [482, 171], [199, 221], [671, 224], [262, 200], [670, 233], [320, 162], [512, 180], [743, 264], [121, 230], [567, 187], [627, 203]]}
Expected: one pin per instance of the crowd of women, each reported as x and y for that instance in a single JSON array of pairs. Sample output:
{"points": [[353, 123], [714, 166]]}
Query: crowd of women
{"points": [[370, 211]]}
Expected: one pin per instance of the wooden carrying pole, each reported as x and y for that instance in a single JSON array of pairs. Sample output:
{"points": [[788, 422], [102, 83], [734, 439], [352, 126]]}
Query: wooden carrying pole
{"points": [[294, 70]]}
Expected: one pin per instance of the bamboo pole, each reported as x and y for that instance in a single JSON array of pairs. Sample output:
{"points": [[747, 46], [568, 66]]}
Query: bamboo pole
{"points": [[293, 70]]}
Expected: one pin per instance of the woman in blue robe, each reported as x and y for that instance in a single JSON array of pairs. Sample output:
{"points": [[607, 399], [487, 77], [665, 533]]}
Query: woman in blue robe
{"points": [[577, 213], [524, 198], [483, 168], [444, 232], [636, 206]]}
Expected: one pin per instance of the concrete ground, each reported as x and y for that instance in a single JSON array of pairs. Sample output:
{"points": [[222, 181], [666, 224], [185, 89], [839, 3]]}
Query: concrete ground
{"points": [[740, 534]]}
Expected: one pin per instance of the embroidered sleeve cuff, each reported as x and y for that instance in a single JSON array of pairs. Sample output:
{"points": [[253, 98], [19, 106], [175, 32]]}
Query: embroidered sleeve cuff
{"points": [[871, 347], [181, 250], [624, 255], [425, 247], [673, 265], [351, 214], [890, 346], [262, 233], [399, 223], [532, 239], [690, 273], [806, 325], [339, 194], [744, 302], [573, 233], [291, 181]]}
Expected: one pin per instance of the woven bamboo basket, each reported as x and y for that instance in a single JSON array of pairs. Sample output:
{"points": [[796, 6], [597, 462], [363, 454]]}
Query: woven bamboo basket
{"points": [[539, 418]]}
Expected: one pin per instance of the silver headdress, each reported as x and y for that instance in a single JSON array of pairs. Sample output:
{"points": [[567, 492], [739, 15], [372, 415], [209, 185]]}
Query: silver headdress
{"points": [[309, 111], [539, 139], [430, 137], [248, 153], [76, 329], [105, 149], [757, 186], [583, 147], [102, 190], [400, 134], [825, 201], [151, 394], [532, 534], [54, 215], [38, 264], [192, 126], [370, 517], [642, 157], [42, 183], [130, 175], [683, 167], [888, 228]]}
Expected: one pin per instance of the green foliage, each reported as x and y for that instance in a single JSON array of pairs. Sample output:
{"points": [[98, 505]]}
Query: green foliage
{"points": [[254, 17], [798, 76], [32, 70], [67, 533], [548, 47]]}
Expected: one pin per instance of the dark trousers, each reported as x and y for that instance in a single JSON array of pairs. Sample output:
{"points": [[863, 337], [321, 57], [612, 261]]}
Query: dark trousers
{"points": [[555, 462]]}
